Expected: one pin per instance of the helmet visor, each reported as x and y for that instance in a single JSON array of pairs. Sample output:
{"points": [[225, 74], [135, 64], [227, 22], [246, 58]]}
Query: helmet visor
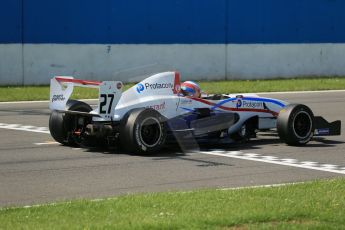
{"points": [[187, 91]]}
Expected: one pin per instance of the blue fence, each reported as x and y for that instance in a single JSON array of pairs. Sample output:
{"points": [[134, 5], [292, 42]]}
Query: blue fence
{"points": [[172, 21]]}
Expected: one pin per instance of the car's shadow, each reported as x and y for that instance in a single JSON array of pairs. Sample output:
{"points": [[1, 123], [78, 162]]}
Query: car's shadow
{"points": [[316, 142], [175, 150]]}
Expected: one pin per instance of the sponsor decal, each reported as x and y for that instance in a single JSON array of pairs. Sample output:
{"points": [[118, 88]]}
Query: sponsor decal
{"points": [[137, 137], [119, 85], [186, 101], [324, 131], [157, 106], [249, 104], [58, 97], [141, 87], [239, 104]]}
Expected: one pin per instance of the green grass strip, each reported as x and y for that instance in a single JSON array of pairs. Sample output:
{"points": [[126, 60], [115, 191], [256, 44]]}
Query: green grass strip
{"points": [[313, 205], [279, 85], [31, 93]]}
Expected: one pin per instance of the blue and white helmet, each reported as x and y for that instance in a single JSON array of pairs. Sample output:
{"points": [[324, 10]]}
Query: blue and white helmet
{"points": [[191, 89]]}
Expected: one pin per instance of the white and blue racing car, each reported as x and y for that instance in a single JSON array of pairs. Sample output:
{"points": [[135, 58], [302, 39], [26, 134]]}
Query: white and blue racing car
{"points": [[154, 112]]}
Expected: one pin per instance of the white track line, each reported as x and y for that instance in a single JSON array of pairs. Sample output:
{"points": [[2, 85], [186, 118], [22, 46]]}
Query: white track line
{"points": [[232, 154], [262, 186], [27, 128], [115, 198], [47, 143], [275, 160]]}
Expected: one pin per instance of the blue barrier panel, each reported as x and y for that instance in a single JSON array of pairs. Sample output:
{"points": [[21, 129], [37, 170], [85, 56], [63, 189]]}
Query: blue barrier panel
{"points": [[283, 21], [11, 21], [125, 21], [173, 21]]}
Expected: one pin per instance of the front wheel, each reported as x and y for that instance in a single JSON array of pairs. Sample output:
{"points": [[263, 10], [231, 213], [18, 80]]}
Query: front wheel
{"points": [[246, 131], [143, 131], [295, 124]]}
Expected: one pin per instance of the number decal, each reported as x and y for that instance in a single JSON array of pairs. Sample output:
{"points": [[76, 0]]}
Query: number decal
{"points": [[104, 103], [111, 102]]}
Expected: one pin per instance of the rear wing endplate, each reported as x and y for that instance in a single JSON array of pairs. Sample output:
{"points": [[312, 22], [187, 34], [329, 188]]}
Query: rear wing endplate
{"points": [[61, 88]]}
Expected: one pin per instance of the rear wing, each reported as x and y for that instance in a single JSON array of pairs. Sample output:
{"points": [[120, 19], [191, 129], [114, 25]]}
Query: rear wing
{"points": [[61, 88]]}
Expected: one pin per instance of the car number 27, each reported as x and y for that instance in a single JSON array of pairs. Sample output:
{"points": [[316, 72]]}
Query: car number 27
{"points": [[103, 109]]}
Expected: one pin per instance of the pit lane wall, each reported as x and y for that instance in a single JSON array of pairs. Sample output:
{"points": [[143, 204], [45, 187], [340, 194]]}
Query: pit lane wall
{"points": [[203, 39]]}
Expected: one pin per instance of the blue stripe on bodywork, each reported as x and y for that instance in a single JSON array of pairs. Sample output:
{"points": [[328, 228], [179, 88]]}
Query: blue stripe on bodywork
{"points": [[193, 110], [190, 110], [249, 99], [265, 100], [223, 102]]}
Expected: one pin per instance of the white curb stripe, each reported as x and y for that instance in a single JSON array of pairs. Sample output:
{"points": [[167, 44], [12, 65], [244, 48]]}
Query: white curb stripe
{"points": [[27, 128], [47, 143], [309, 163], [251, 154], [275, 160], [262, 186], [288, 160], [270, 158], [329, 166]]}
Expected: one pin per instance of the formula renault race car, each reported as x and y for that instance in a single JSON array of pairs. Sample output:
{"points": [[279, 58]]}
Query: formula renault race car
{"points": [[152, 113]]}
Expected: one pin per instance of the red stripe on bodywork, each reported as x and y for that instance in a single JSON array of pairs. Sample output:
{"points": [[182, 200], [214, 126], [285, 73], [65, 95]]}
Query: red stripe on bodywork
{"points": [[236, 109], [202, 100], [82, 82], [177, 83]]}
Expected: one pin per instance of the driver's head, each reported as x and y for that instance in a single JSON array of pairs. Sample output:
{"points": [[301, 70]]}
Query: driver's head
{"points": [[191, 89]]}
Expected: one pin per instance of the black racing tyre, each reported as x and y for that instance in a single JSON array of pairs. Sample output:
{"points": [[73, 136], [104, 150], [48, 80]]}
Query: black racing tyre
{"points": [[61, 124], [295, 124], [246, 131], [143, 131], [242, 134]]}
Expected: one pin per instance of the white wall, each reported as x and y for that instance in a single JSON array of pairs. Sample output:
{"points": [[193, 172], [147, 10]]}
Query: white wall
{"points": [[40, 62], [11, 64], [121, 62], [285, 60]]}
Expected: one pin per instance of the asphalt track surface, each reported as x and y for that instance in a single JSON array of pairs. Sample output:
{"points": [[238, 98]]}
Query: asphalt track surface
{"points": [[35, 170]]}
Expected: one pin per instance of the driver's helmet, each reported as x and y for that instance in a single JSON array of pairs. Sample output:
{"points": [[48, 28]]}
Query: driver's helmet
{"points": [[191, 89]]}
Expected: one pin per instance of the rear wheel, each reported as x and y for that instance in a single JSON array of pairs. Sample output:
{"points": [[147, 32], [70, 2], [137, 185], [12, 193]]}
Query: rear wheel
{"points": [[295, 124], [60, 124], [143, 131]]}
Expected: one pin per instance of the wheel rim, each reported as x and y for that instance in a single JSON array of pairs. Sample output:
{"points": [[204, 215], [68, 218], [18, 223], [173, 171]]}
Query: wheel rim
{"points": [[243, 130], [150, 131], [302, 125]]}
